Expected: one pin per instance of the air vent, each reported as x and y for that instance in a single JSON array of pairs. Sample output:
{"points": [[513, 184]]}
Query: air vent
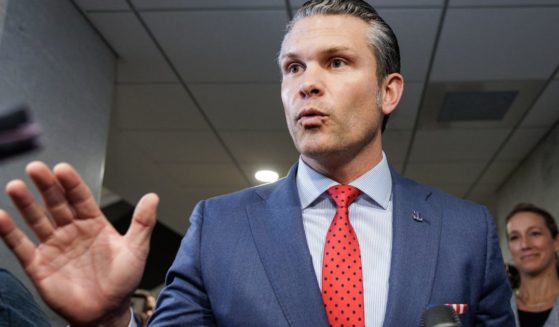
{"points": [[476, 106]]}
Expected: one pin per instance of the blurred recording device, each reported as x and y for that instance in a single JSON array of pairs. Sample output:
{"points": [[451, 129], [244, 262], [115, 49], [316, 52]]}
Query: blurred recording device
{"points": [[18, 134], [440, 316]]}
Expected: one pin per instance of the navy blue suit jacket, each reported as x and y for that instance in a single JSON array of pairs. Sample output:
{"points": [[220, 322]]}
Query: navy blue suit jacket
{"points": [[245, 262]]}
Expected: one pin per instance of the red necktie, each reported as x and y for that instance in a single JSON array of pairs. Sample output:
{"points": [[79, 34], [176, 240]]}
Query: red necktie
{"points": [[342, 281]]}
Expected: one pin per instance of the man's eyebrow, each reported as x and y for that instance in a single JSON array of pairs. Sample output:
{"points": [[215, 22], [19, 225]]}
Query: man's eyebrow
{"points": [[337, 49], [327, 51]]}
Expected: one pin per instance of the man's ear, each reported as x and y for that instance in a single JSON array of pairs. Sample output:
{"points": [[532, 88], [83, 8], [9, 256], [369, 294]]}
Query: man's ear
{"points": [[392, 89]]}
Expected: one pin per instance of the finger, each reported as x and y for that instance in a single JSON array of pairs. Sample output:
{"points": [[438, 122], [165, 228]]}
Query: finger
{"points": [[33, 214], [51, 191], [77, 192], [16, 240], [143, 220]]}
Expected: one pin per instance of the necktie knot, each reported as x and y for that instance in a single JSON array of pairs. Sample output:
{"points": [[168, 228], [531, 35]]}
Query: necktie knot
{"points": [[343, 195]]}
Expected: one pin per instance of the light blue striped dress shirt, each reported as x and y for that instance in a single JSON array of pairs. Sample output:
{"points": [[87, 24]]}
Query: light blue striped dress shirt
{"points": [[371, 217]]}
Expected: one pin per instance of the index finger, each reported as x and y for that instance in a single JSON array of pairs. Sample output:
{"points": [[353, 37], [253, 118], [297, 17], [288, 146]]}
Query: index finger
{"points": [[16, 240]]}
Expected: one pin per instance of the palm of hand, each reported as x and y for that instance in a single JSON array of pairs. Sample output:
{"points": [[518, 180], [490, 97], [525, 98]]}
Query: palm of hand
{"points": [[83, 268], [86, 269]]}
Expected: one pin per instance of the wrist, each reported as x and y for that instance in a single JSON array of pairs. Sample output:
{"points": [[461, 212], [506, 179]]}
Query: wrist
{"points": [[117, 318]]}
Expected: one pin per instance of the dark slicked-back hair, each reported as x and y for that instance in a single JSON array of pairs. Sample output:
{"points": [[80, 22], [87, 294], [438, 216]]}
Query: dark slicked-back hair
{"points": [[381, 38]]}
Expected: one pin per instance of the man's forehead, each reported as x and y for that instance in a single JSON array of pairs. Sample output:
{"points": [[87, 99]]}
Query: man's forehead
{"points": [[342, 30]]}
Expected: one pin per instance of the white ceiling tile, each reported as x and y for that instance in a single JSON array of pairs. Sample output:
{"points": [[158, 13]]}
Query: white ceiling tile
{"points": [[404, 115], [87, 5], [261, 147], [545, 112], [484, 194], [521, 143], [457, 144], [475, 3], [390, 3], [415, 30], [207, 4], [139, 61], [178, 146], [221, 46], [444, 173], [206, 174], [242, 106], [156, 106], [497, 172], [395, 144], [497, 44]]}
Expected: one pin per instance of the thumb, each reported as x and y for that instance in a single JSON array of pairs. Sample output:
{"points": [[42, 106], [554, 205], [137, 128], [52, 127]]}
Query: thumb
{"points": [[143, 220]]}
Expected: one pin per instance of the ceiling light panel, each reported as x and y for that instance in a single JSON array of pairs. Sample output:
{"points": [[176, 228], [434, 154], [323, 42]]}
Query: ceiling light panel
{"points": [[476, 105]]}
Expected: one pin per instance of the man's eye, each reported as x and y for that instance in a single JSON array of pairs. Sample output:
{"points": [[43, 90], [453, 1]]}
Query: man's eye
{"points": [[337, 62], [293, 68]]}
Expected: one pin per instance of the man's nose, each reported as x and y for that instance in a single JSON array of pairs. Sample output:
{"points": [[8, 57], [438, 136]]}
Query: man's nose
{"points": [[311, 84]]}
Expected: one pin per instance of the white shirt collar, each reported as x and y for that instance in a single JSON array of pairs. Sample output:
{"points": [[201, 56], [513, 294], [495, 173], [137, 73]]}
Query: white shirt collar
{"points": [[375, 183]]}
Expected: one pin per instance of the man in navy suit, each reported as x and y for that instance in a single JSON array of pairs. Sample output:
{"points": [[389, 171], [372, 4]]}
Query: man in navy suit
{"points": [[257, 257]]}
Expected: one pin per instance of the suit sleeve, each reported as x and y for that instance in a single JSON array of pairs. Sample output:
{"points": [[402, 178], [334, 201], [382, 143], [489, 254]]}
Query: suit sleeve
{"points": [[184, 301], [494, 304]]}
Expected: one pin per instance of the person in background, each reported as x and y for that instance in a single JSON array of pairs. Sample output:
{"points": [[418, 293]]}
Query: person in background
{"points": [[533, 243]]}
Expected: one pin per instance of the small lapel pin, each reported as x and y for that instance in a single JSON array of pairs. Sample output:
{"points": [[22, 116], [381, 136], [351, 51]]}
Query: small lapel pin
{"points": [[417, 216]]}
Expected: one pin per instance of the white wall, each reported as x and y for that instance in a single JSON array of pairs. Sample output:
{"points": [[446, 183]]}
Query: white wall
{"points": [[51, 59]]}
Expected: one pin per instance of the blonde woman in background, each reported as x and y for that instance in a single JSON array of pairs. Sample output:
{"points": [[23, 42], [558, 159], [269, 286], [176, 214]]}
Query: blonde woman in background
{"points": [[533, 243]]}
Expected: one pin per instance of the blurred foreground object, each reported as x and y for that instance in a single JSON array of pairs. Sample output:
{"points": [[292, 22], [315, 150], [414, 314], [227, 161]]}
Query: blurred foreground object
{"points": [[17, 306], [17, 133], [143, 304]]}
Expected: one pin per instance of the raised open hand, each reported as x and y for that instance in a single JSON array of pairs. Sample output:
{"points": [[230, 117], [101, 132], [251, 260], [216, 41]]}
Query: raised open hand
{"points": [[82, 267]]}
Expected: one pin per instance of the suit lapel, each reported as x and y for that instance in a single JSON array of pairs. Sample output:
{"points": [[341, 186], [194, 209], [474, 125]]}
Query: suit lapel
{"points": [[277, 228], [414, 251]]}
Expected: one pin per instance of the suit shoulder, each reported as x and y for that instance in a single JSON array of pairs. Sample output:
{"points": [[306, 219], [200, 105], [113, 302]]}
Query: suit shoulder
{"points": [[443, 199], [246, 195]]}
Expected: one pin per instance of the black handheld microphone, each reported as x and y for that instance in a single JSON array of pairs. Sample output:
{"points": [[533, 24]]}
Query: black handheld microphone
{"points": [[440, 316], [18, 134]]}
